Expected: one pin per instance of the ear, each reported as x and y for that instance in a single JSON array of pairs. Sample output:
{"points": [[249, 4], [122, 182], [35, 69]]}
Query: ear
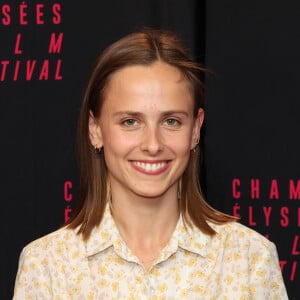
{"points": [[197, 127], [95, 133]]}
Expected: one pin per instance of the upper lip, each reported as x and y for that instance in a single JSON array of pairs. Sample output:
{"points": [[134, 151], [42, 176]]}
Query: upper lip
{"points": [[150, 166], [147, 161]]}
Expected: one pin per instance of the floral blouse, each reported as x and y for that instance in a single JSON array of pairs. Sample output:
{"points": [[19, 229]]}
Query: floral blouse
{"points": [[236, 263]]}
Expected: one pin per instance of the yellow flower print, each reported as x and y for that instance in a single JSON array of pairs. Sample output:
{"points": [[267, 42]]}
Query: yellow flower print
{"points": [[229, 279], [79, 279], [198, 289], [115, 286], [139, 279], [274, 286], [75, 254], [45, 261], [102, 283], [184, 293], [237, 256], [162, 288], [102, 270], [155, 272], [177, 278], [91, 296], [191, 262], [104, 235], [261, 273]]}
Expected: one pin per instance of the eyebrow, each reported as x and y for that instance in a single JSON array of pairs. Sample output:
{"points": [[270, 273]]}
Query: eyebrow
{"points": [[137, 114]]}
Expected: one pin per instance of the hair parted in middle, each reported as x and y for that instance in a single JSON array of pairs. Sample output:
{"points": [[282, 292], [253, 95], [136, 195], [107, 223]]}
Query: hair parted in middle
{"points": [[141, 48]]}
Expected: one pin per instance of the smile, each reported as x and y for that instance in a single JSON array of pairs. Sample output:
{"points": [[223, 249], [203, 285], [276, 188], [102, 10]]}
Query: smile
{"points": [[152, 168]]}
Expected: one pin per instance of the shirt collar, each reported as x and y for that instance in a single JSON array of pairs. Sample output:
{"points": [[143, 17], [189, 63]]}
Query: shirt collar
{"points": [[106, 234], [191, 238]]}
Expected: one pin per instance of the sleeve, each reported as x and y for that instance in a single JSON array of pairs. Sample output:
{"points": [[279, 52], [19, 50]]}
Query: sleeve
{"points": [[266, 281], [31, 281]]}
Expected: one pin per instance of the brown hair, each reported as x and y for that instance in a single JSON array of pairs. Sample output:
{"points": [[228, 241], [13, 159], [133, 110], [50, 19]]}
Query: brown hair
{"points": [[141, 48]]}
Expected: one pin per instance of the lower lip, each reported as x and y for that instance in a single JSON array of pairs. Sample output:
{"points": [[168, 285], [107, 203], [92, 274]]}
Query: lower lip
{"points": [[156, 172]]}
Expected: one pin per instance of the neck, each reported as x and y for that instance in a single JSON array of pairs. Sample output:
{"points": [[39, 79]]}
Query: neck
{"points": [[147, 219], [146, 224]]}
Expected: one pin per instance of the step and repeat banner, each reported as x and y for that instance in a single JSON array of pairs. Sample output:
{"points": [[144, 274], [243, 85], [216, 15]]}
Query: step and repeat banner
{"points": [[47, 49], [252, 130]]}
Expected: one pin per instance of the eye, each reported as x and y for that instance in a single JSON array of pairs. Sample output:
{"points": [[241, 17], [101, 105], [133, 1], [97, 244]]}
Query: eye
{"points": [[172, 122], [129, 122]]}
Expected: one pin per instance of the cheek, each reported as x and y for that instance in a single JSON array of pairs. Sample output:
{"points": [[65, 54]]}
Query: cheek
{"points": [[181, 142], [118, 145], [182, 148]]}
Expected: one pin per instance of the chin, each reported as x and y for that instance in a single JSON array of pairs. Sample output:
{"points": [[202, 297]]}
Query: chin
{"points": [[150, 194]]}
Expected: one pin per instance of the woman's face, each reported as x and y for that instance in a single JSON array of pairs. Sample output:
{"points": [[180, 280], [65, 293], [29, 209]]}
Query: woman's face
{"points": [[147, 129]]}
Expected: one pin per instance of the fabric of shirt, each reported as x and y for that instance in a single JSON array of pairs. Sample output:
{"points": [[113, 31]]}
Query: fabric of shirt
{"points": [[235, 263]]}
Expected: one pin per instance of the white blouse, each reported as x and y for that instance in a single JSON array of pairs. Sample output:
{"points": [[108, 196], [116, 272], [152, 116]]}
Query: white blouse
{"points": [[236, 263]]}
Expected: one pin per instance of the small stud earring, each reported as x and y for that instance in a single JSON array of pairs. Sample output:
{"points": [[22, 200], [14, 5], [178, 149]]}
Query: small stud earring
{"points": [[197, 142], [97, 149]]}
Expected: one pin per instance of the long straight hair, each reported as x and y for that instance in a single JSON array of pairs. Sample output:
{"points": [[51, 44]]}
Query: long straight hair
{"points": [[141, 48]]}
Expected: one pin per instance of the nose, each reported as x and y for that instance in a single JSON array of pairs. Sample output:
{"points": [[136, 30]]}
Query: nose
{"points": [[152, 141]]}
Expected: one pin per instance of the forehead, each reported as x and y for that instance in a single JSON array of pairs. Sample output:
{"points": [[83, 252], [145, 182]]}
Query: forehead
{"points": [[155, 68], [158, 80]]}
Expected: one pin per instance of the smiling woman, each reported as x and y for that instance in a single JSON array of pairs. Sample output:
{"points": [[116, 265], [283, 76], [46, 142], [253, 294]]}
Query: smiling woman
{"points": [[146, 127], [142, 228]]}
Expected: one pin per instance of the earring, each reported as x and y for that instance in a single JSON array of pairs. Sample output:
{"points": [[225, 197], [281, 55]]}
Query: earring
{"points": [[197, 142], [179, 189], [97, 149]]}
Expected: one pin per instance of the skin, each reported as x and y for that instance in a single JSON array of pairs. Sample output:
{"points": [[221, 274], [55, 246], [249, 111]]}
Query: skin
{"points": [[147, 131]]}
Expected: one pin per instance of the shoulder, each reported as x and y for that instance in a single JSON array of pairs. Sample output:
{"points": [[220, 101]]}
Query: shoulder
{"points": [[234, 235], [247, 250], [46, 262], [251, 257], [55, 242]]}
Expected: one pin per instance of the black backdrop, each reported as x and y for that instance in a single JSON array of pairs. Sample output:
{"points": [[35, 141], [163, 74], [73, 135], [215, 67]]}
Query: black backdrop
{"points": [[251, 144]]}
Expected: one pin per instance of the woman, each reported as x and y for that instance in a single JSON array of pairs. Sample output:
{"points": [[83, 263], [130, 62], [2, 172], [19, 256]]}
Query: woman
{"points": [[142, 229]]}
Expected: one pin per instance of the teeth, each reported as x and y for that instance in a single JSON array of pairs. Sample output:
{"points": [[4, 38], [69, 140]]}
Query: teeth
{"points": [[150, 167]]}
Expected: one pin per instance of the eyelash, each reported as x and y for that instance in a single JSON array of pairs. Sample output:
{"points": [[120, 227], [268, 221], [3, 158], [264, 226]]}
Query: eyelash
{"points": [[127, 121], [173, 120], [170, 122]]}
